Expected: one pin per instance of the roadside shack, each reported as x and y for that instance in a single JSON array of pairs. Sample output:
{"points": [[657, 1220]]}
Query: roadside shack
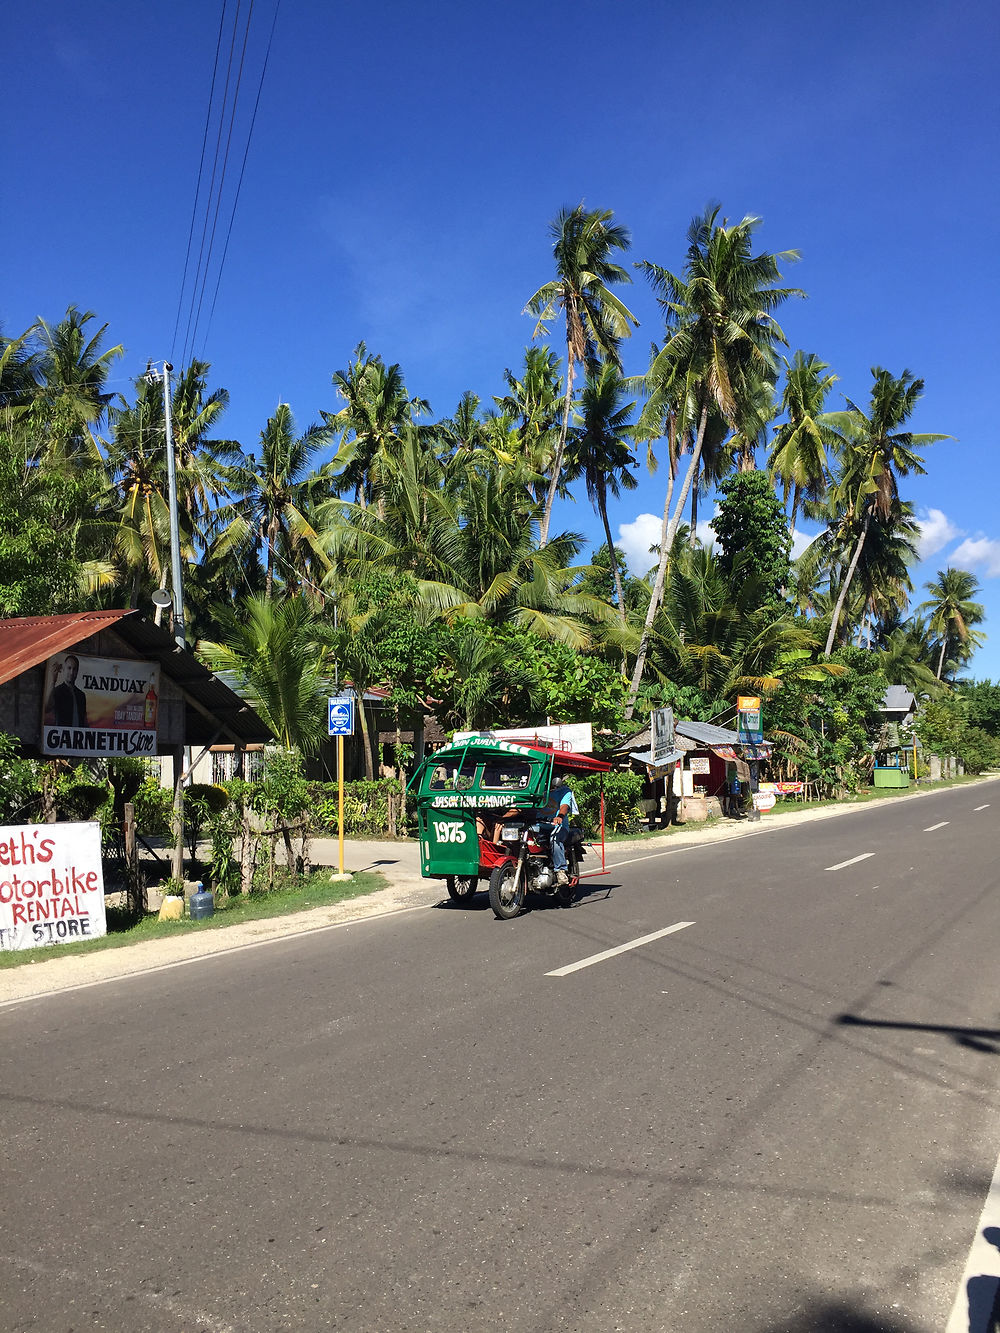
{"points": [[100, 685], [705, 758]]}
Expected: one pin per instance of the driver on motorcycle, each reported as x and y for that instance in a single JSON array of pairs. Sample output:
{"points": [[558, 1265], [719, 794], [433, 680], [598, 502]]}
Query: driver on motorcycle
{"points": [[562, 804]]}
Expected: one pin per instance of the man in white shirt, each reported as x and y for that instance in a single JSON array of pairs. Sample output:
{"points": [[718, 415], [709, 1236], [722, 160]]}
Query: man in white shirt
{"points": [[562, 805]]}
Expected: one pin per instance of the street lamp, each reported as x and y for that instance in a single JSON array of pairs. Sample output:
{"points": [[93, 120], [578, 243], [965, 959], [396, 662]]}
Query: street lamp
{"points": [[153, 377]]}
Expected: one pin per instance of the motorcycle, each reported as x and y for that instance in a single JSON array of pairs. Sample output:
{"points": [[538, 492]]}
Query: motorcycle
{"points": [[529, 869]]}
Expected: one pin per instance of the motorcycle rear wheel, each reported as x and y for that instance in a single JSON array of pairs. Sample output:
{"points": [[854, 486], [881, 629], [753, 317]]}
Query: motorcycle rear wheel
{"points": [[506, 900], [566, 893]]}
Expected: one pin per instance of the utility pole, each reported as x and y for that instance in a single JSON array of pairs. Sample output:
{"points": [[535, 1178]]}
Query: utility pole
{"points": [[175, 537], [177, 612]]}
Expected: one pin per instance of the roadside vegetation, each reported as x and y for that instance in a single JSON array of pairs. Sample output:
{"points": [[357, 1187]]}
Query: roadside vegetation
{"points": [[418, 552]]}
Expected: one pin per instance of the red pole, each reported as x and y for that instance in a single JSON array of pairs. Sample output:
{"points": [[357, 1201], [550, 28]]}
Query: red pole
{"points": [[603, 867]]}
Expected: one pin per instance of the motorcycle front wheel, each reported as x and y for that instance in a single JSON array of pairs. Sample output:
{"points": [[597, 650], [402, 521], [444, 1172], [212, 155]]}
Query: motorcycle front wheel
{"points": [[462, 888], [506, 900]]}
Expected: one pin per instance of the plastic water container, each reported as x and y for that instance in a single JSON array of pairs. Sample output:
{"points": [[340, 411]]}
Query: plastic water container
{"points": [[201, 903]]}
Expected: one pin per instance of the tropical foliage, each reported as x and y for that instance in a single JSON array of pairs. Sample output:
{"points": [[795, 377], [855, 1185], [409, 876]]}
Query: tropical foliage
{"points": [[419, 556]]}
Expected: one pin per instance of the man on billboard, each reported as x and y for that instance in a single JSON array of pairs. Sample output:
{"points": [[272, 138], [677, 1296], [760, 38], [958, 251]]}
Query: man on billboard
{"points": [[69, 703]]}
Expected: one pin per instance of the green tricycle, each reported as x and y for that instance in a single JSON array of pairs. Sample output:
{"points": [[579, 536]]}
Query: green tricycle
{"points": [[482, 815]]}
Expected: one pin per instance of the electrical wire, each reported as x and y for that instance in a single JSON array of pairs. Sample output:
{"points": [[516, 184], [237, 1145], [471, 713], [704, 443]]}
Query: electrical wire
{"points": [[224, 104], [211, 193], [243, 167], [189, 347], [200, 177]]}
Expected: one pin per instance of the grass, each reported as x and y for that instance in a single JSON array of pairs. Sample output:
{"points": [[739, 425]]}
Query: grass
{"points": [[316, 891]]}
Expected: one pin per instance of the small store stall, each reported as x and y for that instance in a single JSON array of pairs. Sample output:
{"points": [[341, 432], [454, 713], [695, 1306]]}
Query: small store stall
{"points": [[705, 758]]}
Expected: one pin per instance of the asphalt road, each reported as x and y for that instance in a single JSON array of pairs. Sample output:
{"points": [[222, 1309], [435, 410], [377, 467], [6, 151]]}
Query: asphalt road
{"points": [[780, 1117]]}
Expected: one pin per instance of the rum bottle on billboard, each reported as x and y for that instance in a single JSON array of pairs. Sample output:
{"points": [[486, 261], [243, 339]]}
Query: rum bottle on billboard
{"points": [[151, 706]]}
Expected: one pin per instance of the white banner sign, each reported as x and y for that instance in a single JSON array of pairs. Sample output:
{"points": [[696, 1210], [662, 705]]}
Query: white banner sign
{"points": [[51, 884], [99, 706], [577, 737]]}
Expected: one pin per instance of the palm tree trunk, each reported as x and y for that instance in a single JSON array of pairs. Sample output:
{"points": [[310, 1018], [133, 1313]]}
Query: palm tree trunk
{"points": [[366, 744], [695, 488], [272, 532], [550, 498], [667, 534], [602, 504], [847, 583], [944, 644], [796, 494]]}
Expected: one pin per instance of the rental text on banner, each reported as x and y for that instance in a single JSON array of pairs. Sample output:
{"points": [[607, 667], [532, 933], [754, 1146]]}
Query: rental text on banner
{"points": [[51, 884], [99, 706]]}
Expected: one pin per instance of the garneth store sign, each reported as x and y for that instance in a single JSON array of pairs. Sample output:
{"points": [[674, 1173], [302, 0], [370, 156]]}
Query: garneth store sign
{"points": [[99, 706], [51, 884]]}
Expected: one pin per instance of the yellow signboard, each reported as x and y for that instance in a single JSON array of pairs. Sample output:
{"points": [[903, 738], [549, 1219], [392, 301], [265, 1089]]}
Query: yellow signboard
{"points": [[748, 703]]}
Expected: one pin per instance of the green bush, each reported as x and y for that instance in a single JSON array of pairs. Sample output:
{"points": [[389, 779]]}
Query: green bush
{"points": [[622, 797], [366, 807], [978, 750], [153, 806]]}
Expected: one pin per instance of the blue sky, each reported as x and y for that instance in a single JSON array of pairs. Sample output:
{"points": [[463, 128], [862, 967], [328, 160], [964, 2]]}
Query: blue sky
{"points": [[406, 161]]}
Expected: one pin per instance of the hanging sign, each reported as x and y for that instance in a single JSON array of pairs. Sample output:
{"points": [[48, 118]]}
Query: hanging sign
{"points": [[51, 884], [661, 730], [749, 724], [99, 707]]}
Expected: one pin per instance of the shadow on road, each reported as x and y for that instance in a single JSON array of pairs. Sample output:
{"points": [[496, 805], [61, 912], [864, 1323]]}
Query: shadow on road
{"points": [[537, 902], [986, 1040], [823, 1316]]}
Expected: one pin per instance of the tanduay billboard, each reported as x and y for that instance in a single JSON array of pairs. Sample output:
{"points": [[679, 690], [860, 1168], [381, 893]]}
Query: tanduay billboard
{"points": [[99, 706]]}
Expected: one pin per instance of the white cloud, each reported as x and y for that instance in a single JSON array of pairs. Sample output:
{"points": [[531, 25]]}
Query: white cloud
{"points": [[800, 541], [635, 539], [936, 531], [984, 551]]}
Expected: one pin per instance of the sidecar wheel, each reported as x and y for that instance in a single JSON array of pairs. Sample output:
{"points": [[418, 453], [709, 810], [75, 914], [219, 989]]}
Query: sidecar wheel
{"points": [[506, 901], [462, 888]]}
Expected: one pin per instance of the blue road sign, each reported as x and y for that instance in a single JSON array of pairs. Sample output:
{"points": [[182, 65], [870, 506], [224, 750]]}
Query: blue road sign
{"points": [[340, 715]]}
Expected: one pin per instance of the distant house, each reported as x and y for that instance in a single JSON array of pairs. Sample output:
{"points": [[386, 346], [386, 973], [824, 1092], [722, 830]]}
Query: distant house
{"points": [[899, 706]]}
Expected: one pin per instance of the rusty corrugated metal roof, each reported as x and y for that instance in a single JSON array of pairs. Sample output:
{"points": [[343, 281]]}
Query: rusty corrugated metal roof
{"points": [[32, 639], [210, 703]]}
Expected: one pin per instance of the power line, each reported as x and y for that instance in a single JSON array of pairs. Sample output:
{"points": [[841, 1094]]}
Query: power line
{"points": [[211, 185], [200, 176], [243, 167], [223, 108], [225, 164]]}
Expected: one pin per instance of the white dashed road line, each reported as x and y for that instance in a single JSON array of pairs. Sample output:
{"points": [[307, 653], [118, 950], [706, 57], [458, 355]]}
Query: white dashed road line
{"points": [[852, 862], [621, 948], [936, 826]]}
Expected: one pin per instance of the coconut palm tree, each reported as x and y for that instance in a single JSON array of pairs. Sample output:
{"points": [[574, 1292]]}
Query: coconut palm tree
{"points": [[798, 456], [596, 320], [721, 336], [276, 494], [72, 374], [377, 408], [600, 450], [875, 453], [953, 614]]}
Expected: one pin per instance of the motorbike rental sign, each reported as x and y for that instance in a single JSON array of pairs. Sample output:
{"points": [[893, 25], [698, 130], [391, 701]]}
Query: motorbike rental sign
{"points": [[51, 884], [99, 706]]}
